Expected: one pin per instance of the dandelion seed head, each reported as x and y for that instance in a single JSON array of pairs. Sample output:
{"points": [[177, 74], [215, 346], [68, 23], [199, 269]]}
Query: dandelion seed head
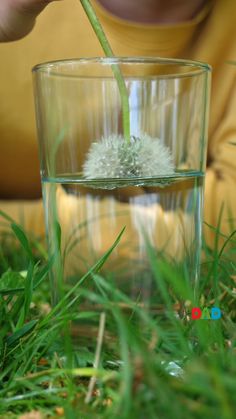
{"points": [[114, 157]]}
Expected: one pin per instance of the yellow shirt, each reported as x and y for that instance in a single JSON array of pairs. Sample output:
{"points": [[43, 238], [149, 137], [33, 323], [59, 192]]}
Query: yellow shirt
{"points": [[63, 31]]}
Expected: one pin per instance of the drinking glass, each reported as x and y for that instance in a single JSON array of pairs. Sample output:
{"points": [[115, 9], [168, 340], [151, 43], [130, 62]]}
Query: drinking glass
{"points": [[153, 196]]}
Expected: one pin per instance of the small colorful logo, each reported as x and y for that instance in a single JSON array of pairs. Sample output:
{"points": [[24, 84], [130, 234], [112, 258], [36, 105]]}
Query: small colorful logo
{"points": [[205, 313]]}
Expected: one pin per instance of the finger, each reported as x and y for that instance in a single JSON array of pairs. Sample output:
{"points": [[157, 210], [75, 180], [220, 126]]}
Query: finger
{"points": [[29, 6]]}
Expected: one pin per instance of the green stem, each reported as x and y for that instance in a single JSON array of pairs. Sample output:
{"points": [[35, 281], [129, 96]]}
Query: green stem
{"points": [[94, 21]]}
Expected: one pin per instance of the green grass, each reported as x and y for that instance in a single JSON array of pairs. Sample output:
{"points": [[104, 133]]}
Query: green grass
{"points": [[156, 366]]}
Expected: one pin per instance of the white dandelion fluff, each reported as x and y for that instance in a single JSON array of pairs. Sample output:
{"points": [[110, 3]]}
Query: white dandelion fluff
{"points": [[114, 157]]}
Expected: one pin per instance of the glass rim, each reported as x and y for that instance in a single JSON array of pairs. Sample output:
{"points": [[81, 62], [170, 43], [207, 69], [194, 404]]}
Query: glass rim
{"points": [[198, 67]]}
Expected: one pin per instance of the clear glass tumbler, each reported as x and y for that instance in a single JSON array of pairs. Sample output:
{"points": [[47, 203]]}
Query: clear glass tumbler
{"points": [[96, 181]]}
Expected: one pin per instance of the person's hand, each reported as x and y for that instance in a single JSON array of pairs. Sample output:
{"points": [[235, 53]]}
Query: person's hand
{"points": [[17, 17]]}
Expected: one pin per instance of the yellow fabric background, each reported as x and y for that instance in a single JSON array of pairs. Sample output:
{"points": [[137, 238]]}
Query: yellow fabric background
{"points": [[62, 31]]}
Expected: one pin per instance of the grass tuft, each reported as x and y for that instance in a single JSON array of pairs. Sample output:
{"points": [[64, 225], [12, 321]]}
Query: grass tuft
{"points": [[160, 365]]}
